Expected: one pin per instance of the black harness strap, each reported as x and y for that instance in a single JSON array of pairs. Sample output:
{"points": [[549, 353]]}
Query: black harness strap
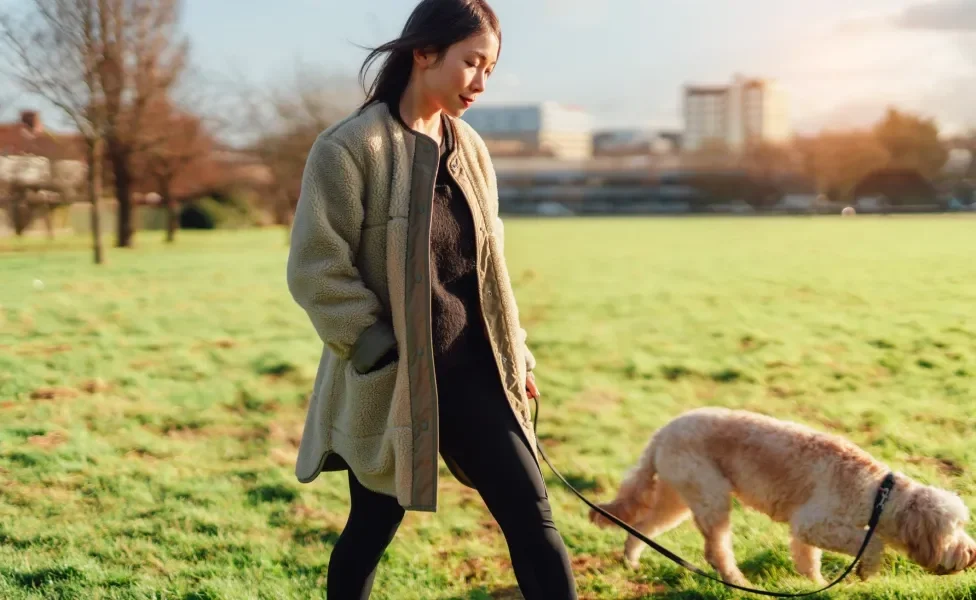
{"points": [[884, 491]]}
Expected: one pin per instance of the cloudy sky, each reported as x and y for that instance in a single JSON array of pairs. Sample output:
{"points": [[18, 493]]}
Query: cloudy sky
{"points": [[625, 61]]}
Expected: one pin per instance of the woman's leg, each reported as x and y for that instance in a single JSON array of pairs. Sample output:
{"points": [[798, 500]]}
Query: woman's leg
{"points": [[479, 431], [373, 521]]}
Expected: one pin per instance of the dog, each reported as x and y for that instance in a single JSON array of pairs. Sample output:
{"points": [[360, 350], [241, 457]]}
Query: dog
{"points": [[822, 485]]}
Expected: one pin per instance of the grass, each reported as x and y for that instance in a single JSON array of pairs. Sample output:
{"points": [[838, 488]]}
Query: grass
{"points": [[150, 409]]}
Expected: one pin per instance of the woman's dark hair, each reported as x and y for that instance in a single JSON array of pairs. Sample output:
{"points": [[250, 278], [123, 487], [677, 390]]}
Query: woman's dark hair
{"points": [[434, 26]]}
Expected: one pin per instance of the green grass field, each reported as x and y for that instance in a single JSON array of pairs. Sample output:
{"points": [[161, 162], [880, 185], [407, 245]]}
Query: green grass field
{"points": [[150, 409]]}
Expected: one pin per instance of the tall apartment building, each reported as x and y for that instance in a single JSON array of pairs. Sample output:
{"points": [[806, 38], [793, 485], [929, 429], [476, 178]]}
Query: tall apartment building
{"points": [[545, 128], [744, 112]]}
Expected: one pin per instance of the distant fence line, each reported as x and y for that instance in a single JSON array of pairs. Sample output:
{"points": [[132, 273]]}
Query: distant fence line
{"points": [[75, 218]]}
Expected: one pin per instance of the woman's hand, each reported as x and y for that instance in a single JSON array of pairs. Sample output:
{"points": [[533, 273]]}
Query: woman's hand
{"points": [[531, 388]]}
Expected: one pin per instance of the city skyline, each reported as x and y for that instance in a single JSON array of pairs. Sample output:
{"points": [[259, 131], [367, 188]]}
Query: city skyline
{"points": [[626, 62]]}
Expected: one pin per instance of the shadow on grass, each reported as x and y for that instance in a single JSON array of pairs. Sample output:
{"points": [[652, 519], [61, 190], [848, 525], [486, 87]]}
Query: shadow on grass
{"points": [[580, 482], [37, 578], [307, 536], [501, 593]]}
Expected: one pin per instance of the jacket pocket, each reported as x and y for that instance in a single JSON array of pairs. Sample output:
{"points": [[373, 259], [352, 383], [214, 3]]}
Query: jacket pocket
{"points": [[367, 400], [372, 346]]}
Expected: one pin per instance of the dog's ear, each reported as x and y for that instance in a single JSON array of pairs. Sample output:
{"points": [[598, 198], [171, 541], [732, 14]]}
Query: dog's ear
{"points": [[601, 521], [927, 523]]}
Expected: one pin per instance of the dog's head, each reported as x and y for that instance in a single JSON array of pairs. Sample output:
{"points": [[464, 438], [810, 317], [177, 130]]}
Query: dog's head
{"points": [[930, 525]]}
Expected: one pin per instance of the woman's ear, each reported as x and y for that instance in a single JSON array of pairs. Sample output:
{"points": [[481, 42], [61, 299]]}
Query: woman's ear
{"points": [[423, 58]]}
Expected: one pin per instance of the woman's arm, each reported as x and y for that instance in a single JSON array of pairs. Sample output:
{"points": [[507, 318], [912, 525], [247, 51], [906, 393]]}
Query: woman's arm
{"points": [[322, 275]]}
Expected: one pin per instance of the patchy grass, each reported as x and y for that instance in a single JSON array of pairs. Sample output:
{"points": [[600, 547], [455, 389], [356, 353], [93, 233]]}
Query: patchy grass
{"points": [[151, 409]]}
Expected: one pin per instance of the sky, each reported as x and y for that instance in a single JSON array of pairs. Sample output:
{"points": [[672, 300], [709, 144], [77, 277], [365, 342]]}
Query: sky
{"points": [[626, 61]]}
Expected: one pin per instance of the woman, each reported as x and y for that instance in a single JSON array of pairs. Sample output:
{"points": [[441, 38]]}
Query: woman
{"points": [[397, 257]]}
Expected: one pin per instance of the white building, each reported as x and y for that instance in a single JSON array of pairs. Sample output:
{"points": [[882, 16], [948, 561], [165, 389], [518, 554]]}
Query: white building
{"points": [[744, 112], [633, 142], [541, 129]]}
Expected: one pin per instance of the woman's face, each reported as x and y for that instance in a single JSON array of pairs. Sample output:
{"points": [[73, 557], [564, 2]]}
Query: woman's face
{"points": [[455, 82]]}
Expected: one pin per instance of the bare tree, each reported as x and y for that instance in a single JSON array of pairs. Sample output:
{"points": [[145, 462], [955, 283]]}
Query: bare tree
{"points": [[284, 124], [145, 56], [56, 51]]}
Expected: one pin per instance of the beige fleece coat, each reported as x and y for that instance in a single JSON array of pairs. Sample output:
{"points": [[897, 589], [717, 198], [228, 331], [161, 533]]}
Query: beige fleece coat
{"points": [[359, 265]]}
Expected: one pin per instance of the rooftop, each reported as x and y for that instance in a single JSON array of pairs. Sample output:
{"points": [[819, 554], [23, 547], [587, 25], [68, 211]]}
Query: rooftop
{"points": [[29, 137]]}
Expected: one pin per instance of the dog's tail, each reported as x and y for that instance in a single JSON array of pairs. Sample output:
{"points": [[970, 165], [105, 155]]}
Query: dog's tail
{"points": [[636, 491]]}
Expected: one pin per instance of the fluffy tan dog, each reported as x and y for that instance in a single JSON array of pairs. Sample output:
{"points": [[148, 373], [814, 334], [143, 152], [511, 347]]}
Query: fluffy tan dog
{"points": [[822, 485]]}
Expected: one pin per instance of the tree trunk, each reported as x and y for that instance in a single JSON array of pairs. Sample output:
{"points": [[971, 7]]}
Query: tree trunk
{"points": [[123, 194], [21, 212], [172, 212], [94, 192], [48, 222]]}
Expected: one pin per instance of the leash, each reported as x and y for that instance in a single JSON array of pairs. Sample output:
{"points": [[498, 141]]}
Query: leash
{"points": [[881, 498]]}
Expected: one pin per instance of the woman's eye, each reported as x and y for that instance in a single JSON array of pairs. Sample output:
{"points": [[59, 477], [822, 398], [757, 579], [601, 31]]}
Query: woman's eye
{"points": [[470, 64]]}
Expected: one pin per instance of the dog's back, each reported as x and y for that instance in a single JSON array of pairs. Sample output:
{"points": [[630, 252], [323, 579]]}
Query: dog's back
{"points": [[772, 465]]}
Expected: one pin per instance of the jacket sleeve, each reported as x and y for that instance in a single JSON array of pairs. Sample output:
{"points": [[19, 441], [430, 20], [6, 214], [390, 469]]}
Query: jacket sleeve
{"points": [[321, 271], [523, 335]]}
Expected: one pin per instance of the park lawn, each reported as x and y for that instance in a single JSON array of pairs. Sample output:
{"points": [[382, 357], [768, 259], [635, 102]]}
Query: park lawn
{"points": [[150, 408]]}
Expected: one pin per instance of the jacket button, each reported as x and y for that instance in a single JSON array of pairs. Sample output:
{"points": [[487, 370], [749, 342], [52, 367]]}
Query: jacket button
{"points": [[420, 278], [424, 426]]}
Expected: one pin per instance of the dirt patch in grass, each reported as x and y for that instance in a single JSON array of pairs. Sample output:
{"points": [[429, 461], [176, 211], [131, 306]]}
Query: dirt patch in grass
{"points": [[143, 454], [48, 441], [194, 432], [222, 343], [946, 466], [95, 386], [46, 350], [54, 393], [289, 433], [782, 391], [476, 570]]}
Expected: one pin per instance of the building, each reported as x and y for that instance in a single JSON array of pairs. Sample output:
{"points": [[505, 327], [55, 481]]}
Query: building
{"points": [[632, 142], [540, 129], [32, 157], [735, 116]]}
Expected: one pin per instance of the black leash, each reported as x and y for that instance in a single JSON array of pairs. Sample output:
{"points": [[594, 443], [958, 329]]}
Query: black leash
{"points": [[884, 490]]}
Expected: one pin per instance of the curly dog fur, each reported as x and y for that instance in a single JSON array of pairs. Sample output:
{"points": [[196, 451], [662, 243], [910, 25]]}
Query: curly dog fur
{"points": [[822, 485]]}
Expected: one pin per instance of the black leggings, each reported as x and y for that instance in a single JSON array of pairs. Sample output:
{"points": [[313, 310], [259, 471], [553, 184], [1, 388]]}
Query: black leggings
{"points": [[478, 431]]}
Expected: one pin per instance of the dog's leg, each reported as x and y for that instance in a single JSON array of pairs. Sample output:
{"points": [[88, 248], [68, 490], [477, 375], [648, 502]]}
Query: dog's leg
{"points": [[807, 560], [813, 529], [709, 496], [717, 531], [667, 512]]}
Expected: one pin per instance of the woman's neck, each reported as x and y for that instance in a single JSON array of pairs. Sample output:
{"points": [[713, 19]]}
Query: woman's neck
{"points": [[419, 113]]}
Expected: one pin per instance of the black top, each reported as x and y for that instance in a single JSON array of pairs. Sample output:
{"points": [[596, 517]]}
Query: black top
{"points": [[457, 330]]}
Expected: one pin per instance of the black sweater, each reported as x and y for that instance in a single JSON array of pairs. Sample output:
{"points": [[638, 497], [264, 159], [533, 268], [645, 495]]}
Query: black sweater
{"points": [[458, 334]]}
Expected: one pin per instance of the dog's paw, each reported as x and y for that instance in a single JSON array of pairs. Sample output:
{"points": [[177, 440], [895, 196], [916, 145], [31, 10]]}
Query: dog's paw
{"points": [[632, 562], [864, 572]]}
